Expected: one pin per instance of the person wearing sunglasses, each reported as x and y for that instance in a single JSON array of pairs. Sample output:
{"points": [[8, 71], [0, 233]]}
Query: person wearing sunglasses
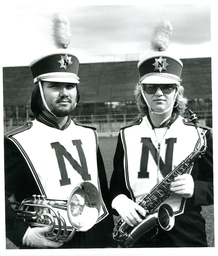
{"points": [[150, 148]]}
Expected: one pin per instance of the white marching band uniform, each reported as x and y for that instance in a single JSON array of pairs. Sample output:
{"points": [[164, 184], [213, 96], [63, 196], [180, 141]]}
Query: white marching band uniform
{"points": [[55, 160]]}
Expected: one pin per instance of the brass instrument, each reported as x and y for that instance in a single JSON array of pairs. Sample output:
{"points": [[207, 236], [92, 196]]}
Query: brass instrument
{"points": [[159, 214], [81, 212]]}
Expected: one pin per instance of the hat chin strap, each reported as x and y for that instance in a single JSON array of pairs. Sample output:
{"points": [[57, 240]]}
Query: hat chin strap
{"points": [[158, 112], [43, 99]]}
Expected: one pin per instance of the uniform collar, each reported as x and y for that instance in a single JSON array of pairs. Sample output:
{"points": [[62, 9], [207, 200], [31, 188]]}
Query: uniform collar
{"points": [[167, 123], [47, 121]]}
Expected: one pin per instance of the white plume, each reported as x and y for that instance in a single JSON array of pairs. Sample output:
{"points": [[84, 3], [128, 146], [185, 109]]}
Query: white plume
{"points": [[161, 35], [61, 30]]}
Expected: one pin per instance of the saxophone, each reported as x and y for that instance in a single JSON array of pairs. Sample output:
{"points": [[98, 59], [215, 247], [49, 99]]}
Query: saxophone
{"points": [[159, 214]]}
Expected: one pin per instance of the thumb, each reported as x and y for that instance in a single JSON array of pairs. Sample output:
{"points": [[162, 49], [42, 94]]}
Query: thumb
{"points": [[48, 242], [45, 229]]}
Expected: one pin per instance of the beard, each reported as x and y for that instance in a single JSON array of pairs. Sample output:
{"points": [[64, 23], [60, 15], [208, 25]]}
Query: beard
{"points": [[62, 112]]}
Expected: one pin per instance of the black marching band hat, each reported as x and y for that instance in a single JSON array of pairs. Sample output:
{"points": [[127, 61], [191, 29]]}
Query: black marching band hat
{"points": [[160, 67], [57, 66]]}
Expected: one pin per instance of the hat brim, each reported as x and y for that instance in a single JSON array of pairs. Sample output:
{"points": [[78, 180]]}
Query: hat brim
{"points": [[159, 79], [58, 77], [61, 80]]}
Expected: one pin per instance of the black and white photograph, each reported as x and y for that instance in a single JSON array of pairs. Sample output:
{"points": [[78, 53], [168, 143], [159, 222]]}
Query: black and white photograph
{"points": [[108, 127]]}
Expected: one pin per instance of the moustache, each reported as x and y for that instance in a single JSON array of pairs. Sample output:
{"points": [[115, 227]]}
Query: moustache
{"points": [[65, 99]]}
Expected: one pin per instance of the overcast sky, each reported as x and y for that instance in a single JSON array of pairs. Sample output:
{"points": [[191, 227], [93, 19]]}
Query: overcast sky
{"points": [[102, 32]]}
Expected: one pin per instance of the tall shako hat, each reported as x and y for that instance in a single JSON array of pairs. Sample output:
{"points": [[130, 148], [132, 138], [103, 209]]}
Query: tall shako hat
{"points": [[57, 67], [159, 67]]}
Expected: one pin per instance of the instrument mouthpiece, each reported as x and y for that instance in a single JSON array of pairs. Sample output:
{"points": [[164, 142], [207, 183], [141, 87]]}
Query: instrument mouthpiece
{"points": [[193, 118]]}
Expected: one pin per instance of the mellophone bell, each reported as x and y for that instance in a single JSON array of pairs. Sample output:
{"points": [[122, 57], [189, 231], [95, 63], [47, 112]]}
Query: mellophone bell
{"points": [[79, 213]]}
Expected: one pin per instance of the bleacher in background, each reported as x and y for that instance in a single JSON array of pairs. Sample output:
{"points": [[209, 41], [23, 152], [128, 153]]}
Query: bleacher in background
{"points": [[106, 88]]}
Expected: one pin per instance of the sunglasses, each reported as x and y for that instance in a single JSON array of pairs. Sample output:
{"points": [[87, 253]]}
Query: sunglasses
{"points": [[152, 88]]}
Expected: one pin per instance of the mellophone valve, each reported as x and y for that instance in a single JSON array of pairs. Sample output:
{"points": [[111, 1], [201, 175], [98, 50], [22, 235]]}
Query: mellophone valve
{"points": [[79, 213]]}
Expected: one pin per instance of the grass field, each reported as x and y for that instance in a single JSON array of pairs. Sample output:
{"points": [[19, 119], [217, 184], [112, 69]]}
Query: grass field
{"points": [[107, 146]]}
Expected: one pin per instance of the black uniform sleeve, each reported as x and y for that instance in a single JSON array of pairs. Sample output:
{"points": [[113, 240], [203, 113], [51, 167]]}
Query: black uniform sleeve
{"points": [[117, 184], [104, 229], [18, 183], [15, 228], [103, 179], [203, 194]]}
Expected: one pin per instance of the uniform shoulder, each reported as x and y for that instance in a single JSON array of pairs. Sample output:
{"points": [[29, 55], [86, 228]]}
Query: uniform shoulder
{"points": [[20, 129], [134, 122], [188, 122], [76, 122]]}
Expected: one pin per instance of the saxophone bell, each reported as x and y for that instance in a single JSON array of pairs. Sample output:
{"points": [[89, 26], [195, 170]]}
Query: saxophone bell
{"points": [[165, 217]]}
